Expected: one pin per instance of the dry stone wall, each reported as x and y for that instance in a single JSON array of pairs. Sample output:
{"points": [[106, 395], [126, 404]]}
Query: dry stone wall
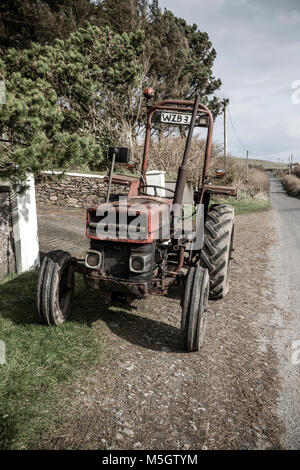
{"points": [[74, 190]]}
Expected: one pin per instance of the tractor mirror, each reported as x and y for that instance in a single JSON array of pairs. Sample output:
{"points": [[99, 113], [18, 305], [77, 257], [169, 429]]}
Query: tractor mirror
{"points": [[220, 173], [122, 154]]}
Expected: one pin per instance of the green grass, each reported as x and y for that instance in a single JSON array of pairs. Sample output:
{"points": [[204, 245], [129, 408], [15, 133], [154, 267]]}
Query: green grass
{"points": [[42, 362], [245, 204]]}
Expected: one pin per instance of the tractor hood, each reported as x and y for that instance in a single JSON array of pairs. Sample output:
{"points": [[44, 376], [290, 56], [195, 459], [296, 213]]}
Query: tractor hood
{"points": [[140, 219]]}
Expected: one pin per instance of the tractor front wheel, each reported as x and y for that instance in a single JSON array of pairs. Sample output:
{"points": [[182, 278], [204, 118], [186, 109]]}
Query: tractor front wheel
{"points": [[194, 308], [55, 288]]}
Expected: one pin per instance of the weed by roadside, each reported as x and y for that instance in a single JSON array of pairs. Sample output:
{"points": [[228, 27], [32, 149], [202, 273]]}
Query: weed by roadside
{"points": [[252, 191]]}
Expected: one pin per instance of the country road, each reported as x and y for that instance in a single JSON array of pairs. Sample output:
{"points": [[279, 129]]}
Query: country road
{"points": [[146, 393], [285, 267], [242, 391]]}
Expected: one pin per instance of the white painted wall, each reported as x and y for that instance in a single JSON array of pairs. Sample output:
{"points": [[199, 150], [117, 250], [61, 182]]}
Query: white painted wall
{"points": [[83, 175], [156, 178], [24, 220]]}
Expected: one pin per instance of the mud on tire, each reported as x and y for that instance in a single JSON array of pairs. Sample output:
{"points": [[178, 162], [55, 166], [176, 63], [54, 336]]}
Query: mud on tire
{"points": [[218, 245], [55, 288]]}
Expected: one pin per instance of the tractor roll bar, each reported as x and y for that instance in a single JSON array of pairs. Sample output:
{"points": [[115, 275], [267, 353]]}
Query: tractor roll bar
{"points": [[183, 106]]}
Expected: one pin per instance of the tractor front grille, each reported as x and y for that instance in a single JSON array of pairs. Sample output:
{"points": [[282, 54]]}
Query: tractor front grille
{"points": [[116, 256], [114, 226]]}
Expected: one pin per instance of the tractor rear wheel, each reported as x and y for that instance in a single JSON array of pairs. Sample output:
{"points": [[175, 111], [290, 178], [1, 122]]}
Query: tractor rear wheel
{"points": [[217, 249], [55, 288], [195, 308]]}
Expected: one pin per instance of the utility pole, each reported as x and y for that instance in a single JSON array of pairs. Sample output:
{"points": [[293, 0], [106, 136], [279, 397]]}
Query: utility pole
{"points": [[280, 166], [292, 158], [247, 165], [225, 102]]}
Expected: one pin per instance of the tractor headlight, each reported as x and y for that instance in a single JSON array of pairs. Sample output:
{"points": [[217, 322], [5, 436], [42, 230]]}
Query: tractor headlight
{"points": [[139, 263], [93, 259]]}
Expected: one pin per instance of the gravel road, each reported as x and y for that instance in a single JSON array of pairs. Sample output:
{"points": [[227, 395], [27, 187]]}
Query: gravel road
{"points": [[241, 392], [148, 394], [285, 267]]}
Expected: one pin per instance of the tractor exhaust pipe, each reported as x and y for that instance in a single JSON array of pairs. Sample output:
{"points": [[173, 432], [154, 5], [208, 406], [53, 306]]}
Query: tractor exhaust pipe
{"points": [[182, 170]]}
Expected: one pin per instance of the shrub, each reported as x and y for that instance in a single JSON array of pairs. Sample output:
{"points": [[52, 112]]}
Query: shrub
{"points": [[291, 184], [296, 171], [166, 154]]}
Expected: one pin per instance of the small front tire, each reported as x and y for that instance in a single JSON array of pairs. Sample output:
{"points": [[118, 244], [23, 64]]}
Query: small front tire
{"points": [[194, 309], [55, 288]]}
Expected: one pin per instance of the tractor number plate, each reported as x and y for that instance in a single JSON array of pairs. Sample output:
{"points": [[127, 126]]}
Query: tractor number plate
{"points": [[182, 119]]}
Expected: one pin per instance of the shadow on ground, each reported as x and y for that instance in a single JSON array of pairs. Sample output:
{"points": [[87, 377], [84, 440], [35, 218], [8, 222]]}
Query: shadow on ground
{"points": [[18, 304]]}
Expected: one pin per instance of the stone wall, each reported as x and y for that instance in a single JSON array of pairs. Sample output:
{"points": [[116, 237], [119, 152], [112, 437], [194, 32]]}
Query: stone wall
{"points": [[7, 253], [74, 190]]}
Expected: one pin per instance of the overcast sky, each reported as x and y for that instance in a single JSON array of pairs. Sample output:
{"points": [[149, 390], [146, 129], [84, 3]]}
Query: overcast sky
{"points": [[258, 59]]}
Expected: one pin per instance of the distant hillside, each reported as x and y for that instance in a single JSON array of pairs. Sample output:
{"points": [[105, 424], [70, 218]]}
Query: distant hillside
{"points": [[263, 163]]}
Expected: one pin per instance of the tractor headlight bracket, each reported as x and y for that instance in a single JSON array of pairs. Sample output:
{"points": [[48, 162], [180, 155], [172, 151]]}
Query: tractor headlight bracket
{"points": [[93, 259], [140, 263]]}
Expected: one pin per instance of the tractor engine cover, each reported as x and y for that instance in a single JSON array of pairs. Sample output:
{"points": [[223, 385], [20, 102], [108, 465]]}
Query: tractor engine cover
{"points": [[137, 220]]}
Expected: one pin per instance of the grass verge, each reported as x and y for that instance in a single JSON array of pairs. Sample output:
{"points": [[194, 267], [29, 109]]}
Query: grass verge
{"points": [[245, 203], [42, 362]]}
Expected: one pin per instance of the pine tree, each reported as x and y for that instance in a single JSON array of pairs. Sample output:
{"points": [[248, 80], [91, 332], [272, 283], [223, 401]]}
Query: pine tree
{"points": [[42, 21], [55, 115]]}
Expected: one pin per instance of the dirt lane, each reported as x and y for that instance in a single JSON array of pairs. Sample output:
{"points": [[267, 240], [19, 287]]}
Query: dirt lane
{"points": [[147, 394], [285, 266]]}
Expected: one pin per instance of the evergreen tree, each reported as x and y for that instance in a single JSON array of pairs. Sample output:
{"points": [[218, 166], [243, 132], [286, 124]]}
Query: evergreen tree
{"points": [[55, 114], [177, 61], [97, 76], [26, 21]]}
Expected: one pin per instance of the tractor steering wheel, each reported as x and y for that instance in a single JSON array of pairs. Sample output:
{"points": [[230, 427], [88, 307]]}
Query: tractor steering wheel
{"points": [[143, 190]]}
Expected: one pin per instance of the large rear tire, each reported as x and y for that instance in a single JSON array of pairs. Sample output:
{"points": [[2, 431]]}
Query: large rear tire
{"points": [[194, 309], [55, 288], [218, 246]]}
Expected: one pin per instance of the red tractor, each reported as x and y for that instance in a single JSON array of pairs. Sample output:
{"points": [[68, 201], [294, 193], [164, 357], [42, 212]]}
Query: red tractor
{"points": [[137, 243]]}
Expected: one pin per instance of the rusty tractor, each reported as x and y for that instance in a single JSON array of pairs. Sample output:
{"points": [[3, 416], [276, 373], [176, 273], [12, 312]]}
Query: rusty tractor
{"points": [[137, 243]]}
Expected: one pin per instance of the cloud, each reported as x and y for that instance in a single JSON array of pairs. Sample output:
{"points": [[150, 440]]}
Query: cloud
{"points": [[293, 128], [258, 48]]}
